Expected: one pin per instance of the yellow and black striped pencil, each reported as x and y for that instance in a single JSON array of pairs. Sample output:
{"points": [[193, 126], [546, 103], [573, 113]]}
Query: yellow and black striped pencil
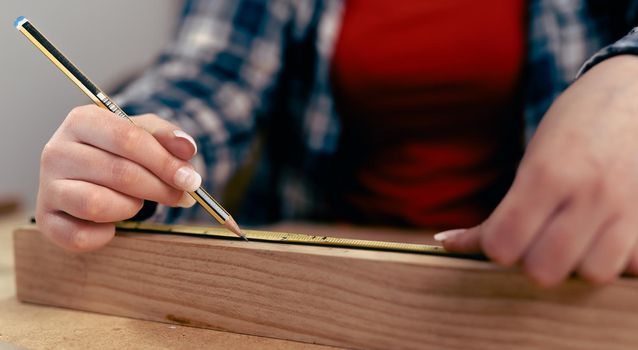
{"points": [[102, 100]]}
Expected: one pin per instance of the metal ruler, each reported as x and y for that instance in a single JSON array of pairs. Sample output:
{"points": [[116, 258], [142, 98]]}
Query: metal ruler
{"points": [[290, 238]]}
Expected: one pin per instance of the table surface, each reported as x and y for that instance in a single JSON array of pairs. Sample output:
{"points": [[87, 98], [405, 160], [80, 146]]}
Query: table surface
{"points": [[41, 327]]}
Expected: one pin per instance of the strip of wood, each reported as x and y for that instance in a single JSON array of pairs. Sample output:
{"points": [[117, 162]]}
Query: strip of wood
{"points": [[333, 296]]}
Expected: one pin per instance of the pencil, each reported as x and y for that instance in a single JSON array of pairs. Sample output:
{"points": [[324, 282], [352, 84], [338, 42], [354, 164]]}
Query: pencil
{"points": [[102, 100]]}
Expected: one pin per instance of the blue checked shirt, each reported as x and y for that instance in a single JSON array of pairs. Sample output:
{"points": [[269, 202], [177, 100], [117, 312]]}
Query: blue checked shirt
{"points": [[249, 79]]}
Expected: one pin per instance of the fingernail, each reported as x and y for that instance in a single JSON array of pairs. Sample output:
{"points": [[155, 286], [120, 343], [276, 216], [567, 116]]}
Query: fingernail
{"points": [[182, 135], [186, 201], [187, 179], [442, 236]]}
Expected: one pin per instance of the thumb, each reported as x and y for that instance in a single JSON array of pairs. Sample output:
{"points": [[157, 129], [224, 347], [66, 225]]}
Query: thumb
{"points": [[170, 136], [461, 240]]}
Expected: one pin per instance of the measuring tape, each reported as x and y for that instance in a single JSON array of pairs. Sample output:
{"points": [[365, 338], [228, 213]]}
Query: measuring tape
{"points": [[293, 238]]}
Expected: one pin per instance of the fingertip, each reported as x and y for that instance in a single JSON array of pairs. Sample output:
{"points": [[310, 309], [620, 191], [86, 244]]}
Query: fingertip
{"points": [[91, 238], [543, 279], [501, 256], [460, 240], [74, 234], [448, 236], [450, 245], [499, 249], [600, 273], [178, 143], [543, 275], [598, 279], [187, 179]]}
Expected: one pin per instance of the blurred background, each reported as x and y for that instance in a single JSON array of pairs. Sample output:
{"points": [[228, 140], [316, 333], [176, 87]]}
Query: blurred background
{"points": [[109, 41]]}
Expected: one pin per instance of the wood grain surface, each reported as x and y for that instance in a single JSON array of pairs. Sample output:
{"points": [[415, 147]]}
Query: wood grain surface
{"points": [[34, 327], [332, 296]]}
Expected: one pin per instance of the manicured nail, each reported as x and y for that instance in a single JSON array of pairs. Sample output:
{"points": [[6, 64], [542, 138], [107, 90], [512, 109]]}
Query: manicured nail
{"points": [[187, 179], [186, 201], [442, 236], [182, 135]]}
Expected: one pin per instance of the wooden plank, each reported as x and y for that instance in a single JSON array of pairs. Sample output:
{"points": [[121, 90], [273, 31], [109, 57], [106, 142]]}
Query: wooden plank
{"points": [[332, 296], [38, 327]]}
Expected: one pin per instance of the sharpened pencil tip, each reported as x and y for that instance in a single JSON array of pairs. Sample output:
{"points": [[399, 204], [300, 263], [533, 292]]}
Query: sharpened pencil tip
{"points": [[232, 226]]}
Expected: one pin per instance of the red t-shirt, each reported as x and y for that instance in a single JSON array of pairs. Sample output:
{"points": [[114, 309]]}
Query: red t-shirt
{"points": [[428, 92]]}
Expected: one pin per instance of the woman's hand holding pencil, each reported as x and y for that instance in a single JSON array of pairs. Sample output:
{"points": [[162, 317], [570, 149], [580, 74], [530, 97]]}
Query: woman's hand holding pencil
{"points": [[98, 169], [71, 203]]}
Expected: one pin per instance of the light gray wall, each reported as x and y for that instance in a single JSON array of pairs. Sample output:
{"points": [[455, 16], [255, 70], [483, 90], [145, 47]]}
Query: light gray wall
{"points": [[107, 40]]}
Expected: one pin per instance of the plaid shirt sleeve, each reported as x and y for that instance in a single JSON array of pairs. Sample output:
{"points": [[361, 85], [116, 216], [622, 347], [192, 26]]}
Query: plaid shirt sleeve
{"points": [[564, 34], [628, 45], [214, 81]]}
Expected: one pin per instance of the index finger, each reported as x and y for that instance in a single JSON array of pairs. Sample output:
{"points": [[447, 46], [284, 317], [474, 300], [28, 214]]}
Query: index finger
{"points": [[104, 130], [527, 207]]}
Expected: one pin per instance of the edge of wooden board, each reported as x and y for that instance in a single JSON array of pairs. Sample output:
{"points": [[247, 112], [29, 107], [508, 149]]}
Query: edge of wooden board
{"points": [[325, 295]]}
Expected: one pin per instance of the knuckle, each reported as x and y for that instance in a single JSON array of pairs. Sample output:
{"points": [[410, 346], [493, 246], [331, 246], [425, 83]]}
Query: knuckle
{"points": [[546, 174], [77, 115], [497, 242], [542, 277], [66, 234], [152, 117], [596, 275], [50, 155], [599, 187], [606, 190], [41, 220], [596, 164], [562, 241], [130, 138], [507, 222], [497, 251], [53, 230], [170, 165], [156, 120], [126, 211], [57, 230], [124, 173], [53, 193], [150, 122], [78, 239], [92, 206]]}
